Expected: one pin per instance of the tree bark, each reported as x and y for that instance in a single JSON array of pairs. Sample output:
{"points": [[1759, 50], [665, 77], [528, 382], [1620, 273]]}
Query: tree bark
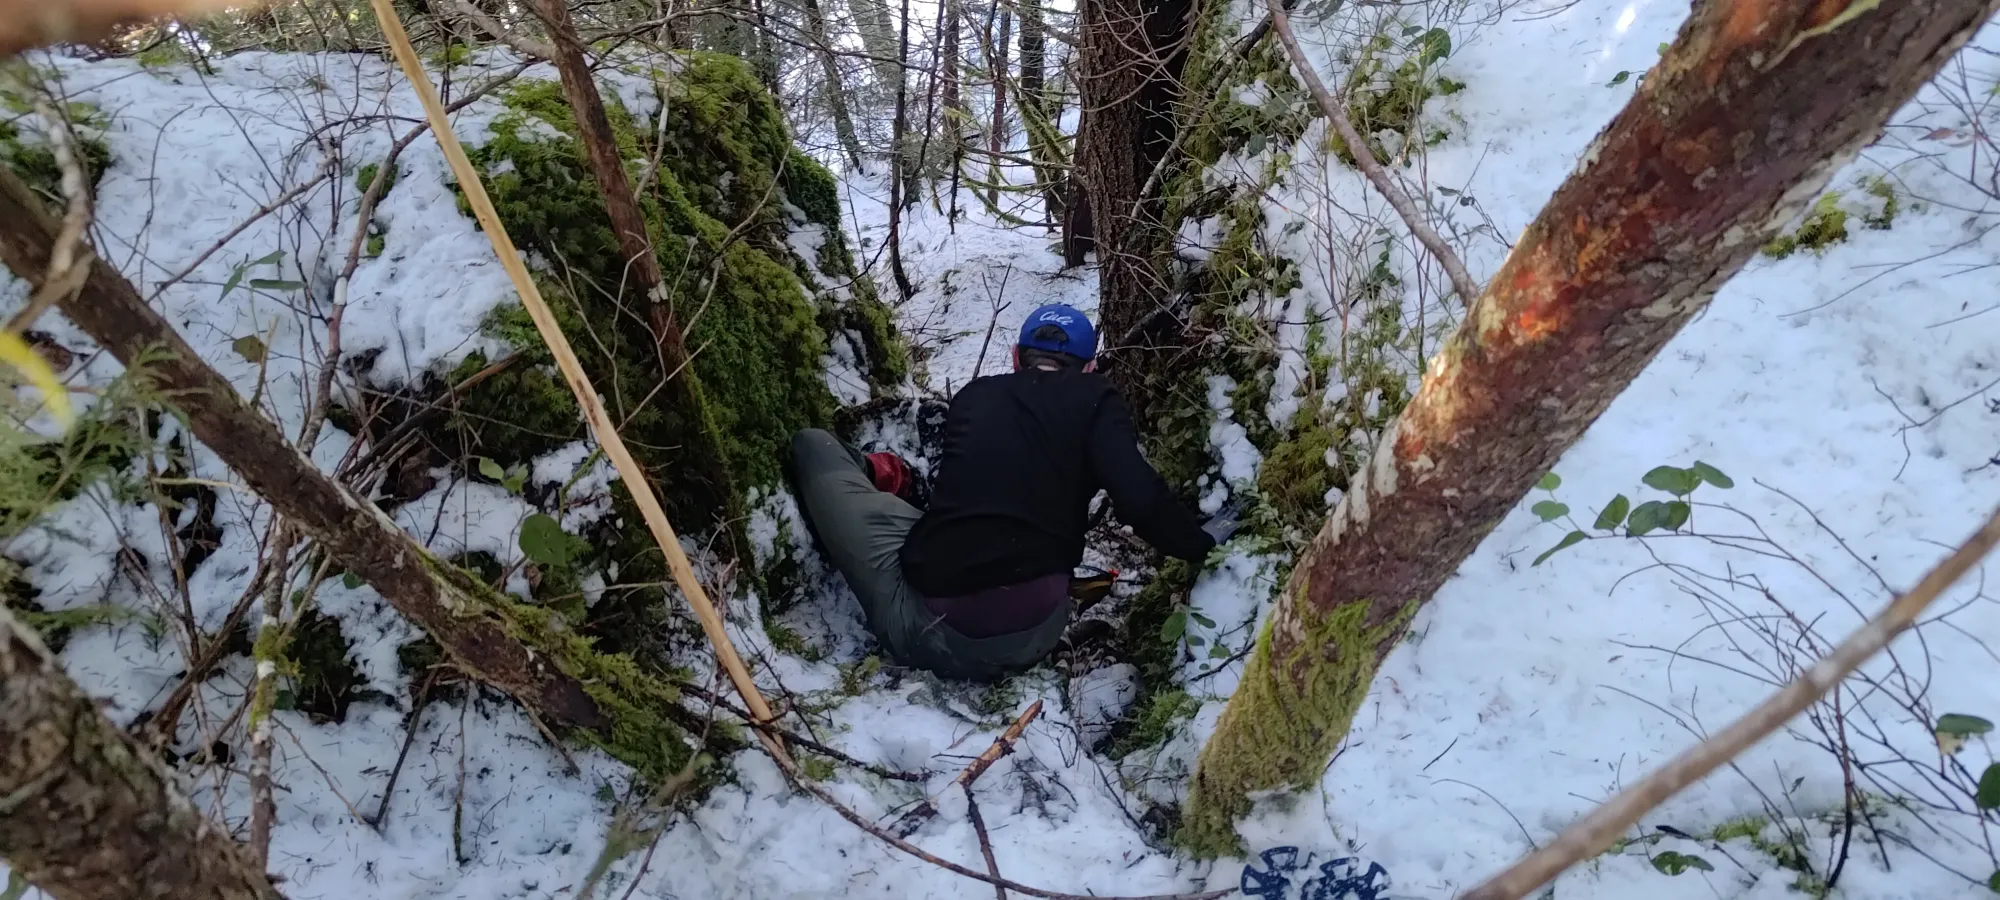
{"points": [[1740, 125], [898, 168], [1131, 56], [996, 135], [446, 602], [87, 813], [836, 91], [1043, 141], [878, 39]]}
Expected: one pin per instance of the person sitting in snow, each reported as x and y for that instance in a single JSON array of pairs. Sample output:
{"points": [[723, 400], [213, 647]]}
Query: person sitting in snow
{"points": [[977, 585]]}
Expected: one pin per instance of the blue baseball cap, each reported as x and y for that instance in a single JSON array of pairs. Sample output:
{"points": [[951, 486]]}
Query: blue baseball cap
{"points": [[1079, 336]]}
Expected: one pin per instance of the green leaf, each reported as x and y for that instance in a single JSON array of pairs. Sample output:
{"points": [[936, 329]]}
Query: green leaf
{"points": [[1174, 626], [1671, 863], [1677, 515], [1663, 47], [1962, 725], [1195, 640], [285, 700], [1549, 482], [1218, 652], [272, 258], [1988, 796], [1550, 510], [1619, 79], [1953, 729], [1711, 474], [491, 469], [250, 347], [1205, 621], [1434, 45], [544, 541], [1675, 481], [1255, 145], [235, 278], [1569, 540], [1412, 30], [17, 887], [273, 284], [1613, 514], [1993, 884], [1648, 516], [350, 581]]}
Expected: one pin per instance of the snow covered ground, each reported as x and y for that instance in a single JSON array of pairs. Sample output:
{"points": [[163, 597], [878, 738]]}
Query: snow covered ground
{"points": [[1861, 382]]}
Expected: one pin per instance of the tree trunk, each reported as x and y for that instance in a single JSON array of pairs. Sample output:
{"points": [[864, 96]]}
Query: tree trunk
{"points": [[898, 169], [836, 91], [443, 600], [1730, 136], [607, 167], [1044, 145], [878, 40], [1131, 58], [997, 135], [86, 812]]}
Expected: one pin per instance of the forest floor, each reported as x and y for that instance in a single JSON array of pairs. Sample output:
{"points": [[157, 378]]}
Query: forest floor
{"points": [[1852, 393]]}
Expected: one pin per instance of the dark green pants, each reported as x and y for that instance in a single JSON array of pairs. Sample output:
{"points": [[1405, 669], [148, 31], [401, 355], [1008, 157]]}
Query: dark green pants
{"points": [[861, 530]]}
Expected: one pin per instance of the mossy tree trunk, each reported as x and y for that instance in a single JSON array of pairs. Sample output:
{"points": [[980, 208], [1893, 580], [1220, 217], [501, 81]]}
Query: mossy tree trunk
{"points": [[87, 813], [1130, 58], [628, 222], [1044, 144], [1739, 126], [447, 603]]}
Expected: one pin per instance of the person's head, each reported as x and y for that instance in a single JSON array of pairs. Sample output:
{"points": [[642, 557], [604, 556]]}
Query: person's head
{"points": [[1056, 338]]}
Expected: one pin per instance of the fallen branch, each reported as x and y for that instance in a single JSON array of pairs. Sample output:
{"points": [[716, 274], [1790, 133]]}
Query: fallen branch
{"points": [[1002, 745], [1336, 112], [1598, 830], [985, 841]]}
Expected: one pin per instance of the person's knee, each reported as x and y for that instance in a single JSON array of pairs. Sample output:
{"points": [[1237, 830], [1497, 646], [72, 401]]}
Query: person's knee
{"points": [[811, 443]]}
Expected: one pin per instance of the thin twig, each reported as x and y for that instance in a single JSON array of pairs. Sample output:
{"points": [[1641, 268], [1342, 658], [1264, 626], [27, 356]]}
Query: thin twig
{"points": [[1336, 112], [410, 729], [985, 842], [1002, 745], [1604, 824]]}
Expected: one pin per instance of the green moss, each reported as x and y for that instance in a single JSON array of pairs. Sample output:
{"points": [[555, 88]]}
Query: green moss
{"points": [[377, 242], [1750, 827], [753, 331], [1824, 226], [638, 704], [454, 54], [322, 677], [1153, 722], [35, 163], [1291, 730], [1881, 218], [789, 641], [365, 177], [58, 626]]}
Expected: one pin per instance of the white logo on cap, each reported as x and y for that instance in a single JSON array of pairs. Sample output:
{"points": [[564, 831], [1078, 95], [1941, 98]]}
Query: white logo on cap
{"points": [[1056, 317]]}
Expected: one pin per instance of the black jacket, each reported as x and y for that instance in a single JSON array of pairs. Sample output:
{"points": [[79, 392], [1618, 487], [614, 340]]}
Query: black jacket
{"points": [[1024, 453]]}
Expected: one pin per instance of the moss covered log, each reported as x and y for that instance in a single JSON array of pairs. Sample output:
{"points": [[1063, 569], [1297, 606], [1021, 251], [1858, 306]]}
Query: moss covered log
{"points": [[721, 206]]}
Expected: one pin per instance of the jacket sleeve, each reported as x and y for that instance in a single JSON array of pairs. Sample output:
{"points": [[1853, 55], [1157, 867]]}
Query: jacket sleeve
{"points": [[1139, 496]]}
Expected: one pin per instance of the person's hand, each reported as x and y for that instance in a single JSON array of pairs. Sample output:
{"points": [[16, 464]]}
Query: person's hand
{"points": [[1226, 522]]}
